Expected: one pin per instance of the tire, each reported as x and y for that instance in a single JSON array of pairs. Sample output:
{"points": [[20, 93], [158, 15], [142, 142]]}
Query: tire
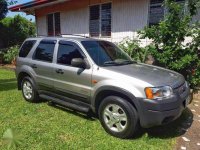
{"points": [[118, 117], [29, 91]]}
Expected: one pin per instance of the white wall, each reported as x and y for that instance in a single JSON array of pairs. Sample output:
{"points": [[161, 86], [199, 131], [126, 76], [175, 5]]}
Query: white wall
{"points": [[128, 16], [41, 25], [75, 21]]}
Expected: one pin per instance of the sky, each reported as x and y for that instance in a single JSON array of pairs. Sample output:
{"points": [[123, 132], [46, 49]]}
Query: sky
{"points": [[12, 14]]}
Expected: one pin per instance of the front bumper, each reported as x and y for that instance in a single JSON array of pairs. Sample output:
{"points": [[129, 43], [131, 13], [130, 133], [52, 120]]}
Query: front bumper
{"points": [[159, 112]]}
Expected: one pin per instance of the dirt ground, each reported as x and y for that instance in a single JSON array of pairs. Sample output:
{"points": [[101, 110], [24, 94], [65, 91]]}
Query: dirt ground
{"points": [[7, 66], [190, 138]]}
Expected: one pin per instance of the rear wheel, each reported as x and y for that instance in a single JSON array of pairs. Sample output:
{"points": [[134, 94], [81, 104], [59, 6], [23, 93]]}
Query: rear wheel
{"points": [[118, 117], [29, 91]]}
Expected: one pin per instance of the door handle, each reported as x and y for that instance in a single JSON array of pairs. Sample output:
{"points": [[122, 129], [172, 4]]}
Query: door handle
{"points": [[59, 71], [34, 66]]}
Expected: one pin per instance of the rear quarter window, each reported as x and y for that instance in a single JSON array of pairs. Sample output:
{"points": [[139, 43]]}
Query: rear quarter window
{"points": [[26, 48]]}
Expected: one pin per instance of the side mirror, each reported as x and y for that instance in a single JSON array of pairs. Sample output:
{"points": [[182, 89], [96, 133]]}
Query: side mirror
{"points": [[78, 62]]}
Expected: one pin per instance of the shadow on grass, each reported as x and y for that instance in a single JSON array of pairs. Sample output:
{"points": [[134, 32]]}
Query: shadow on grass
{"points": [[171, 130], [89, 116], [168, 131], [8, 84]]}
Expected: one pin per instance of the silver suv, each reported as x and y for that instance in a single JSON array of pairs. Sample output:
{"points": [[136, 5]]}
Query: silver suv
{"points": [[90, 75]]}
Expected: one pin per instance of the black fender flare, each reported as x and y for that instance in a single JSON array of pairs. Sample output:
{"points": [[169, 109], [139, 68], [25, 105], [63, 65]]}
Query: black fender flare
{"points": [[29, 74], [132, 98]]}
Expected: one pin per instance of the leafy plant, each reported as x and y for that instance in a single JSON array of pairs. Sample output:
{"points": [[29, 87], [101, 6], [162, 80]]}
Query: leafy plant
{"points": [[134, 50], [11, 54], [168, 41], [194, 47]]}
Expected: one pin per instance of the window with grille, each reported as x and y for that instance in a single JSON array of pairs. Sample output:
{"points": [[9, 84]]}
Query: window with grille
{"points": [[100, 20], [53, 24], [95, 20], [157, 11]]}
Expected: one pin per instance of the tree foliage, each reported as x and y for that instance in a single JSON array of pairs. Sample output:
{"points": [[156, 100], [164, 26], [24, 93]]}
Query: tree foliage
{"points": [[15, 30], [168, 41], [3, 9]]}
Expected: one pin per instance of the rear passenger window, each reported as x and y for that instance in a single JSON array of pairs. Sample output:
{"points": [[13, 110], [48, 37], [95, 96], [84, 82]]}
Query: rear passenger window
{"points": [[26, 48], [44, 51], [66, 52]]}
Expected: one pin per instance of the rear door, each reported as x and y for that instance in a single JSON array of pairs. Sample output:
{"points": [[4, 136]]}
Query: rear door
{"points": [[42, 64], [73, 82]]}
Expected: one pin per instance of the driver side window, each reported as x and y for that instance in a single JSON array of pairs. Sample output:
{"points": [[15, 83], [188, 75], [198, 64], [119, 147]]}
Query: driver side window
{"points": [[66, 52]]}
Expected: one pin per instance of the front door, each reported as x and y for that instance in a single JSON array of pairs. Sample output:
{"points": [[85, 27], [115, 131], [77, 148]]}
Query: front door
{"points": [[71, 81]]}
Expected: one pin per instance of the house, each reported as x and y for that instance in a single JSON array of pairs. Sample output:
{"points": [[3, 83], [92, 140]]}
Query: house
{"points": [[107, 19]]}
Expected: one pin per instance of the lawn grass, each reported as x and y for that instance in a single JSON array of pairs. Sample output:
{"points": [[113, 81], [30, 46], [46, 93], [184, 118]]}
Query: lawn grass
{"points": [[44, 127]]}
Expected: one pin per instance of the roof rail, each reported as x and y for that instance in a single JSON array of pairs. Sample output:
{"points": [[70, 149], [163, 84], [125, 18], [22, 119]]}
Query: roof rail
{"points": [[46, 36], [76, 35], [64, 35]]}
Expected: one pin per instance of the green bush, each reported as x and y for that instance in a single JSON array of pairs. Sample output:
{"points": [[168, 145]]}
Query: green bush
{"points": [[132, 47], [168, 38], [11, 54]]}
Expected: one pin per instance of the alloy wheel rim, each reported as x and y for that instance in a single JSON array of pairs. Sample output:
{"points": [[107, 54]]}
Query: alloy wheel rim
{"points": [[27, 90], [115, 118]]}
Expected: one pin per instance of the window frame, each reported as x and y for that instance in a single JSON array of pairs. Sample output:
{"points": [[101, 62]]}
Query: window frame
{"points": [[69, 43], [47, 21], [54, 25], [100, 19], [45, 40]]}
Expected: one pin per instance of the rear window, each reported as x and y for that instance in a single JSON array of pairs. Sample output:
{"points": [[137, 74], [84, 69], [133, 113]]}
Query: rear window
{"points": [[45, 50], [26, 48]]}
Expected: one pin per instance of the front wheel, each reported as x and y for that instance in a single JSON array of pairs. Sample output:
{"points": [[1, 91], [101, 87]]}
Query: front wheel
{"points": [[118, 117]]}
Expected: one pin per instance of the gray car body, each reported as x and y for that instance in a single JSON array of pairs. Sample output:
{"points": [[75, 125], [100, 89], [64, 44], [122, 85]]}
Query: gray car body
{"points": [[130, 80]]}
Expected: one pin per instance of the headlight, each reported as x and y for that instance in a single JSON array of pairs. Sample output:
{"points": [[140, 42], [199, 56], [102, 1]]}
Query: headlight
{"points": [[158, 92]]}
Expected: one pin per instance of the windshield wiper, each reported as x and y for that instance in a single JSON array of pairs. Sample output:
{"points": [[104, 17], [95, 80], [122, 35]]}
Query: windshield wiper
{"points": [[128, 62], [111, 63]]}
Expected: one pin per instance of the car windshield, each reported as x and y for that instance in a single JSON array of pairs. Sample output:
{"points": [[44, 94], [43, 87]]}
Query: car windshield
{"points": [[106, 53]]}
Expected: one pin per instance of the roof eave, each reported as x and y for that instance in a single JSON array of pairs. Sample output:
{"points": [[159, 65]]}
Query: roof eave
{"points": [[30, 6]]}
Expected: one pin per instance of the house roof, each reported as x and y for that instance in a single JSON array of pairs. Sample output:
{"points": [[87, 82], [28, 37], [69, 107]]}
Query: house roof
{"points": [[33, 4]]}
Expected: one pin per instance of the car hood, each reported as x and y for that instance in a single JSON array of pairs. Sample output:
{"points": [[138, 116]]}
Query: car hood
{"points": [[153, 75]]}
